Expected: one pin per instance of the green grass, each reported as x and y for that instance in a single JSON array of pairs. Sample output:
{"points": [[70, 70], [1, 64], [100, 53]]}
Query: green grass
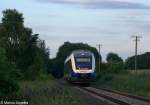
{"points": [[139, 71], [48, 92], [138, 84]]}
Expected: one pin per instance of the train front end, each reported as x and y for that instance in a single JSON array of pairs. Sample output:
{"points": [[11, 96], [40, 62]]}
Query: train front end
{"points": [[83, 64]]}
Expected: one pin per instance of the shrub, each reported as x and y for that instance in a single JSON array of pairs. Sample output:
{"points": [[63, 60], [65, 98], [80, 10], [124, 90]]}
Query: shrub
{"points": [[8, 84], [108, 77], [115, 68]]}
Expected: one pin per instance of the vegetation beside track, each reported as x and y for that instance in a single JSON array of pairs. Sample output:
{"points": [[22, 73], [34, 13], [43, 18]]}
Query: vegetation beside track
{"points": [[48, 92], [133, 83]]}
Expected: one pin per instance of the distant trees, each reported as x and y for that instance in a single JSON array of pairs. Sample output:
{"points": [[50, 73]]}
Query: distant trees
{"points": [[65, 51], [114, 63], [143, 61], [113, 58]]}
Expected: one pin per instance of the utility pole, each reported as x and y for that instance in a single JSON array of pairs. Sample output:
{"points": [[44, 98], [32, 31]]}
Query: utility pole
{"points": [[137, 38], [99, 60]]}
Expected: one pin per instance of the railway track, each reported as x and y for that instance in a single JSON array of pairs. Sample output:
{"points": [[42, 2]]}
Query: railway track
{"points": [[128, 95], [117, 98]]}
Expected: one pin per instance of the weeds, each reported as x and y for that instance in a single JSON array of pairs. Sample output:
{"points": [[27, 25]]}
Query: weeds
{"points": [[138, 84], [48, 93]]}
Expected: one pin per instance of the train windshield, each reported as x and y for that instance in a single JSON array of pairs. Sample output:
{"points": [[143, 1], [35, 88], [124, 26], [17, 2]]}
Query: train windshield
{"points": [[84, 63]]}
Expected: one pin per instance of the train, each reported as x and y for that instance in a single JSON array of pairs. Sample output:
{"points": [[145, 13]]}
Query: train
{"points": [[79, 67]]}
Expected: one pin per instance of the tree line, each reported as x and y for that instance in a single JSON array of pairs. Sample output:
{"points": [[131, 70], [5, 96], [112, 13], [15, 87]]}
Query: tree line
{"points": [[114, 63], [143, 61]]}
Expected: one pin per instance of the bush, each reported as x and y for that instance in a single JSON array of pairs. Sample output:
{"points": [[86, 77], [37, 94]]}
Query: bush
{"points": [[8, 83], [115, 68], [7, 86], [99, 75], [108, 77]]}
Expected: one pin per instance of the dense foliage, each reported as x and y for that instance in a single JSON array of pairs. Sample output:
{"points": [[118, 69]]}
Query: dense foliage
{"points": [[113, 58], [65, 51], [8, 83], [143, 61], [23, 55], [114, 63], [23, 48]]}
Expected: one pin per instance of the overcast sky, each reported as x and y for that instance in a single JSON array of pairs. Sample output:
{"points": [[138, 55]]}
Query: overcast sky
{"points": [[108, 22]]}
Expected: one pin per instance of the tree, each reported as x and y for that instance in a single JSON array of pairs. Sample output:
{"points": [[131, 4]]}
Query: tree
{"points": [[21, 45], [114, 63], [17, 40], [11, 33], [44, 52], [143, 61], [113, 58]]}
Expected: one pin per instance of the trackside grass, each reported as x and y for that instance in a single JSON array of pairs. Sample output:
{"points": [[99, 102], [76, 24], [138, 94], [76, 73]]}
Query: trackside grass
{"points": [[137, 83], [48, 92]]}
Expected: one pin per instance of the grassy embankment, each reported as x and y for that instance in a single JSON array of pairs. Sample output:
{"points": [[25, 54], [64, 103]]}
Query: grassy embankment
{"points": [[48, 92], [133, 83]]}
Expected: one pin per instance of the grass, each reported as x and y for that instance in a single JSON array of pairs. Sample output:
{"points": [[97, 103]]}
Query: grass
{"points": [[137, 83], [48, 92], [140, 71]]}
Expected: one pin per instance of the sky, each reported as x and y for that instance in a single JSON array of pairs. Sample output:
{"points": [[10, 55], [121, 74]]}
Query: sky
{"points": [[107, 22]]}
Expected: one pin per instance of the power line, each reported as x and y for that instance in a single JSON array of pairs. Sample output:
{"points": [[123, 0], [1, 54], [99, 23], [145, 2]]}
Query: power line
{"points": [[99, 60], [137, 38]]}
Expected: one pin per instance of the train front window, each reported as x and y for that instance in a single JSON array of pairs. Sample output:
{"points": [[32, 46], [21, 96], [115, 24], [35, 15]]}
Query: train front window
{"points": [[83, 60], [84, 63]]}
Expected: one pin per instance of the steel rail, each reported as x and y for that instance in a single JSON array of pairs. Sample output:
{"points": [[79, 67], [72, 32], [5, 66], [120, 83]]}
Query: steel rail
{"points": [[128, 95], [119, 102]]}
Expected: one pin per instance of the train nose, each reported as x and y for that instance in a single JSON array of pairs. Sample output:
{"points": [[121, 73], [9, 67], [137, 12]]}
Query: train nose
{"points": [[87, 75], [74, 74]]}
